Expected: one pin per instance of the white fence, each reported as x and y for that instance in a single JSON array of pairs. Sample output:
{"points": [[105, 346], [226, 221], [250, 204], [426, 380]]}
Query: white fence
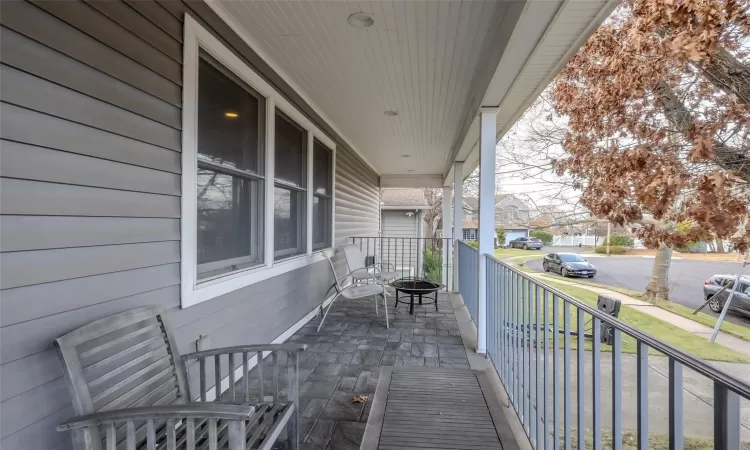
{"points": [[575, 241]]}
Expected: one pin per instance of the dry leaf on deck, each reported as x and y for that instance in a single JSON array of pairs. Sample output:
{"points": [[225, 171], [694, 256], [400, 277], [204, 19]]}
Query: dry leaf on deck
{"points": [[359, 399]]}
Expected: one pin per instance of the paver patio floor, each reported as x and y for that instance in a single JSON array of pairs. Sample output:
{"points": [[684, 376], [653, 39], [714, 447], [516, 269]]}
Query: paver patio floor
{"points": [[344, 360]]}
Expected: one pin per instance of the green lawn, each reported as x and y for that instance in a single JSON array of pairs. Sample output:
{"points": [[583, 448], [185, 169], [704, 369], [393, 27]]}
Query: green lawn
{"points": [[501, 253], [702, 318], [705, 319], [655, 441], [664, 331]]}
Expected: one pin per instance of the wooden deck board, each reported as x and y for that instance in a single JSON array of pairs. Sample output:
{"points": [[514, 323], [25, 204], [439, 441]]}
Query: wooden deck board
{"points": [[427, 407]]}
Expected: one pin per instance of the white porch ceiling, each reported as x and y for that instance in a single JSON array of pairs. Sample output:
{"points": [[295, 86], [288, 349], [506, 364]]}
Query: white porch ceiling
{"points": [[424, 59]]}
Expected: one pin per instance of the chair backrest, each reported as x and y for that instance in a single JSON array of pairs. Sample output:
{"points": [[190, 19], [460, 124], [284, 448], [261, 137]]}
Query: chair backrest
{"points": [[340, 267], [355, 259], [125, 360]]}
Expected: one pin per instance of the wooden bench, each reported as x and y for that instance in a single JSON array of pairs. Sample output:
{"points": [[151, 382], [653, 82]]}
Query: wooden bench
{"points": [[131, 389], [427, 407]]}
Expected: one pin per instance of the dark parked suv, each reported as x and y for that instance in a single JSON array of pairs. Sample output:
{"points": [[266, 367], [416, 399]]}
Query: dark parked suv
{"points": [[526, 243], [740, 301]]}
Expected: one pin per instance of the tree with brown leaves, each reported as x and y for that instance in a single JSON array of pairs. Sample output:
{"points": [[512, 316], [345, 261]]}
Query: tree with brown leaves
{"points": [[658, 109]]}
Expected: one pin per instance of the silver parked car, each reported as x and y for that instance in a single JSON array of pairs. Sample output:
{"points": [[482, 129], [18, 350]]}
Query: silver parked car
{"points": [[526, 243], [740, 301]]}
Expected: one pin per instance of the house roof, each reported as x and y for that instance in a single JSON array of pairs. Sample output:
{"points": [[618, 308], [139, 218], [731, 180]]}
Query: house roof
{"points": [[468, 224], [394, 198], [473, 202]]}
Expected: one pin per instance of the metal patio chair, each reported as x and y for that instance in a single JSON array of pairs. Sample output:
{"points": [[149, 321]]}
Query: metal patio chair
{"points": [[131, 389], [362, 273], [346, 286]]}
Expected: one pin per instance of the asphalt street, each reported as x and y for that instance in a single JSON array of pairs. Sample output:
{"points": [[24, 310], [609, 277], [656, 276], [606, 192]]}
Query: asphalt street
{"points": [[686, 277]]}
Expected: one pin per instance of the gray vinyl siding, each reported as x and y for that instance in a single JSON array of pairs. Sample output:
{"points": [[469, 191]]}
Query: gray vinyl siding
{"points": [[400, 247], [90, 195], [399, 224], [357, 198]]}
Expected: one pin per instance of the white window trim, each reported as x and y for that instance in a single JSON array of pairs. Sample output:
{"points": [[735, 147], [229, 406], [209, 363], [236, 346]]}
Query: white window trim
{"points": [[196, 37]]}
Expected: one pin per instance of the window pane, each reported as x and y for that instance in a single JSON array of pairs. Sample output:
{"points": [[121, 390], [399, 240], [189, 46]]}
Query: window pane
{"points": [[230, 119], [289, 219], [321, 222], [321, 169], [230, 222], [291, 151]]}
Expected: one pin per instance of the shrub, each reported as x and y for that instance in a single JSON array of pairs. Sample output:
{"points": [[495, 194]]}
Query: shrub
{"points": [[543, 236], [474, 244], [433, 265], [613, 249], [500, 232], [620, 240]]}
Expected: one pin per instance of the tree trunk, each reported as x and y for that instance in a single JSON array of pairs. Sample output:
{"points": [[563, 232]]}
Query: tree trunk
{"points": [[727, 157], [719, 245], [727, 73], [658, 287], [723, 70]]}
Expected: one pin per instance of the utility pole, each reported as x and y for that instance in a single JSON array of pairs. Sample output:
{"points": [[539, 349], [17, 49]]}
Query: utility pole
{"points": [[609, 235]]}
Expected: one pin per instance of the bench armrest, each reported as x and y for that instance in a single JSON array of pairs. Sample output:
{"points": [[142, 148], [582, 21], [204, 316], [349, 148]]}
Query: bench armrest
{"points": [[288, 347], [163, 412], [365, 269]]}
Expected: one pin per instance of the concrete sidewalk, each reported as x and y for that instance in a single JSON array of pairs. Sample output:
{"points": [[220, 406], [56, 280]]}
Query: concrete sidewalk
{"points": [[727, 340]]}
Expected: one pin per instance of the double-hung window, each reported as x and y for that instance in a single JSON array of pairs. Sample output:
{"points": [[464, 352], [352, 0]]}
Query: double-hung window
{"points": [[290, 189], [322, 210], [230, 172], [257, 176]]}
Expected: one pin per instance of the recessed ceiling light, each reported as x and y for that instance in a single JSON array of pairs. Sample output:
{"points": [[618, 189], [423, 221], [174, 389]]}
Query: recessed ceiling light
{"points": [[361, 20], [391, 112], [231, 115], [405, 155]]}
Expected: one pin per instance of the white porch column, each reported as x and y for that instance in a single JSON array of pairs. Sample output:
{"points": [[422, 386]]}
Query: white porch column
{"points": [[458, 199], [487, 141], [447, 234], [458, 214]]}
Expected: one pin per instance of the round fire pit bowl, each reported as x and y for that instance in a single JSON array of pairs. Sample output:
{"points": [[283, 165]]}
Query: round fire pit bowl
{"points": [[411, 287]]}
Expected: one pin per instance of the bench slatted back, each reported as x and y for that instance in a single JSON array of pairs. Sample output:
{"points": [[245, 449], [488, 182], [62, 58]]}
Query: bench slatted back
{"points": [[122, 361]]}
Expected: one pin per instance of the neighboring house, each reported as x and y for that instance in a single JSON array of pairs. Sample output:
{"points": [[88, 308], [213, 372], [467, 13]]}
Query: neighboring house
{"points": [[471, 232], [402, 216], [545, 216], [511, 213]]}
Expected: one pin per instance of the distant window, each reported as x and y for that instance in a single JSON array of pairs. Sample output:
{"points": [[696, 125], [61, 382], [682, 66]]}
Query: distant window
{"points": [[290, 193], [322, 196], [470, 234], [230, 172]]}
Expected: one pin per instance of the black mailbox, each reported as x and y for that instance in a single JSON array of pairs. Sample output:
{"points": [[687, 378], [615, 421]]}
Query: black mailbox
{"points": [[610, 306]]}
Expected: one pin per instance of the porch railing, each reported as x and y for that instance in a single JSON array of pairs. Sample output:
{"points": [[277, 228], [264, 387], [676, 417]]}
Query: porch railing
{"points": [[411, 257], [468, 271], [532, 329]]}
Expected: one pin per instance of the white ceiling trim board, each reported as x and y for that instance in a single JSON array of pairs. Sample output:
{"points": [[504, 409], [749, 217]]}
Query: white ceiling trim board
{"points": [[603, 13], [471, 157]]}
